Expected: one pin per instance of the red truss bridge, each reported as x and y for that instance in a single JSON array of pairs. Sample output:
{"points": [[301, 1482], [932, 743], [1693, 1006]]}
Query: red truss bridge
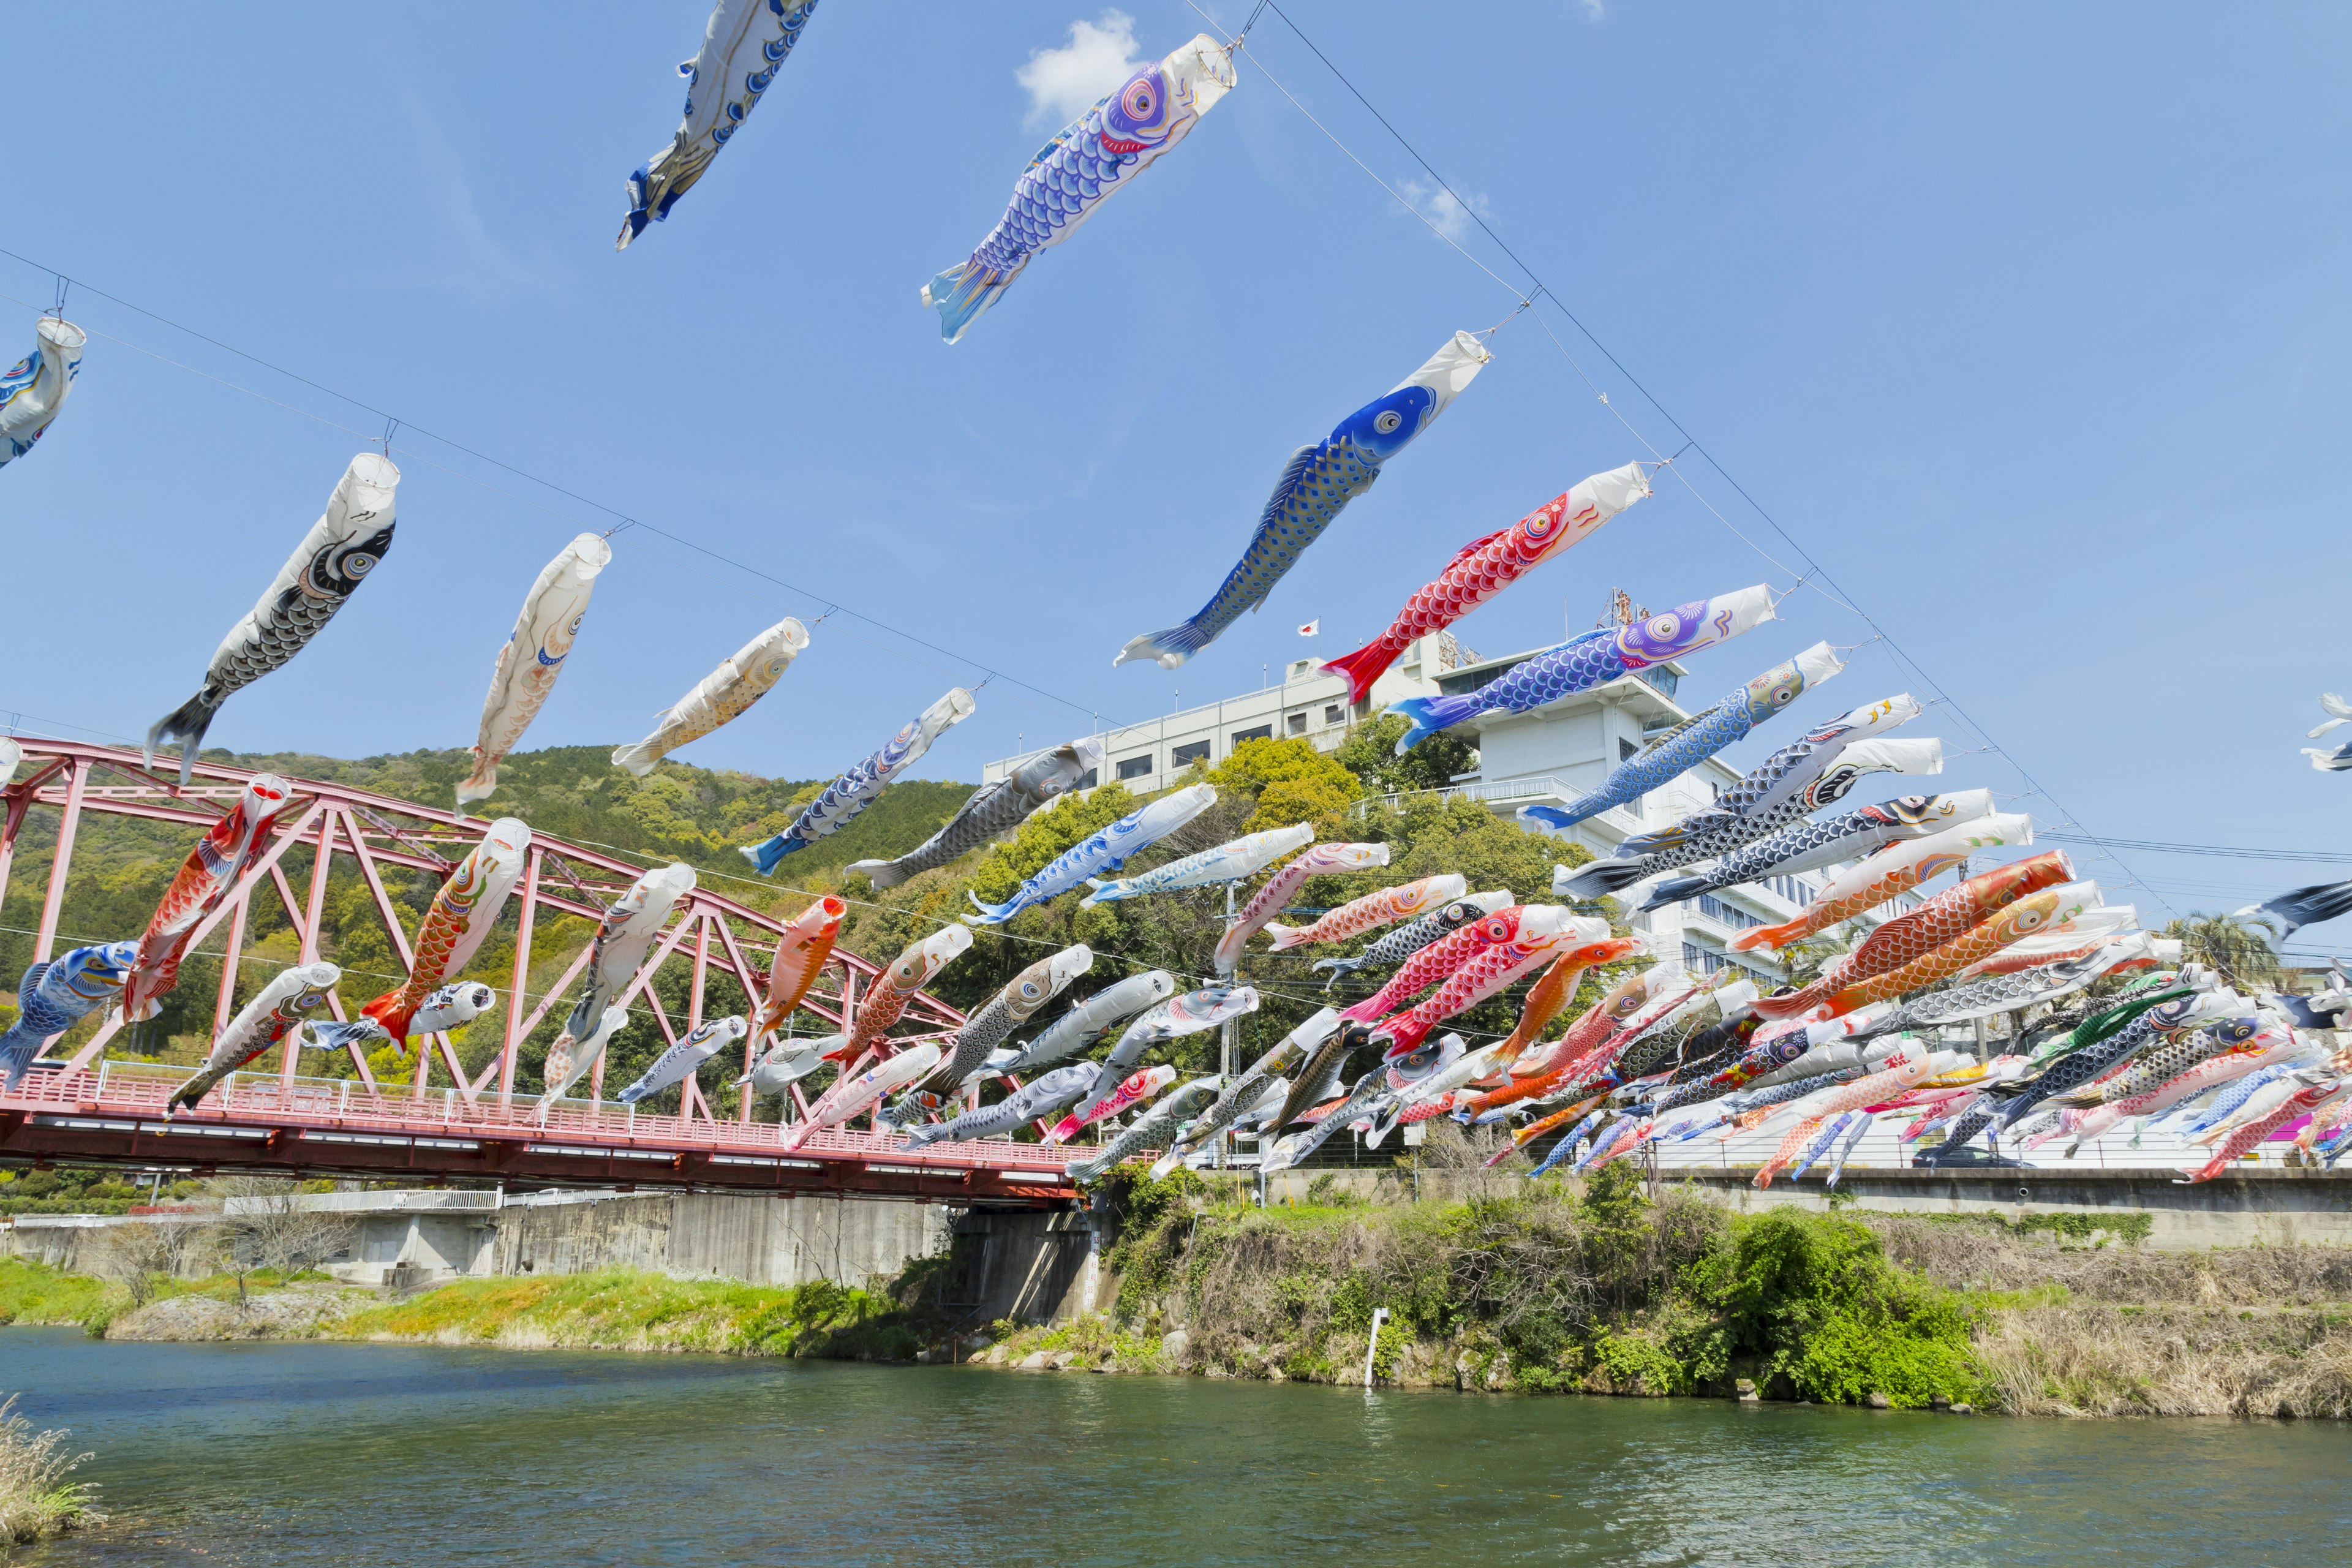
{"points": [[87, 1110]]}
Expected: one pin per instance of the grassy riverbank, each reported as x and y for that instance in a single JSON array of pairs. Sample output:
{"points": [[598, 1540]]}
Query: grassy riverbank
{"points": [[1607, 1291], [1600, 1288]]}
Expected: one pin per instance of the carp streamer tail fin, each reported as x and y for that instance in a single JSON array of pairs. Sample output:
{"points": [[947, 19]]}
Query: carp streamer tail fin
{"points": [[1591, 879], [637, 759], [1169, 648], [186, 724], [1285, 937], [881, 873], [18, 1048], [1361, 668], [1673, 889], [768, 853], [1425, 716], [482, 782], [961, 294]]}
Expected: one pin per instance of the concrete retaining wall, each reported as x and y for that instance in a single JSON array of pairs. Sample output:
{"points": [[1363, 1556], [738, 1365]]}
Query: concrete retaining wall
{"points": [[2239, 1209], [764, 1240], [1037, 1267]]}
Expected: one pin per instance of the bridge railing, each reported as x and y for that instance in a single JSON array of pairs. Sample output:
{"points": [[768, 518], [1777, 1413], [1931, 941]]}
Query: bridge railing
{"points": [[349, 1105]]}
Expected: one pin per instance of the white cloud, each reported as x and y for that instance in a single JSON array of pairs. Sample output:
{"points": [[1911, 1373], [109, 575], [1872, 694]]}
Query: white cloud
{"points": [[1446, 212], [454, 250], [1591, 9], [1063, 83]]}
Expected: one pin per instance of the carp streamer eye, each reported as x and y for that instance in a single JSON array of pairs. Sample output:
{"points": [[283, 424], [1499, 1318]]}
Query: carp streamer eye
{"points": [[358, 566], [1498, 930], [1388, 421], [1141, 99]]}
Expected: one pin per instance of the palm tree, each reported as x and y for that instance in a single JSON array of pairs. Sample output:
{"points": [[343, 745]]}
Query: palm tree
{"points": [[2239, 956]]}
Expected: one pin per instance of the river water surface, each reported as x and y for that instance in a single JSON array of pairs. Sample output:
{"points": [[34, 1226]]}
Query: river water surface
{"points": [[304, 1454]]}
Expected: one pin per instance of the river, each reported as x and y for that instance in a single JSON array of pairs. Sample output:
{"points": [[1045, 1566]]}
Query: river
{"points": [[329, 1454]]}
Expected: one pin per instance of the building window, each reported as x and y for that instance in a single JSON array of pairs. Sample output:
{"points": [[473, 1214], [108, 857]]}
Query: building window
{"points": [[1694, 960], [1715, 908], [1088, 780], [1298, 722], [1135, 767], [1187, 754], [1334, 714], [1660, 679], [1627, 750], [1263, 733]]}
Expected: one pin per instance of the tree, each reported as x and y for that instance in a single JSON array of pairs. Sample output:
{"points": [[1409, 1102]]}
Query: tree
{"points": [[2241, 959], [142, 1254], [1369, 752], [1287, 782], [267, 1226]]}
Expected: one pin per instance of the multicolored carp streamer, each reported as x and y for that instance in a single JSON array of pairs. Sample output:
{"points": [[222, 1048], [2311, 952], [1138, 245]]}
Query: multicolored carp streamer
{"points": [[32, 393], [533, 656], [573, 1053], [994, 809], [1593, 658], [721, 696], [1092, 159], [325, 568], [1484, 567], [1815, 770], [852, 1094], [888, 993], [1033, 1102], [1155, 1130], [802, 949], [2339, 758], [1023, 997], [2021, 919], [1179, 1015], [622, 939], [1245, 1092], [861, 785], [1317, 482], [702, 1042], [743, 47], [2076, 938], [1542, 932], [1809, 846], [2276, 920], [1382, 906], [2027, 988], [202, 883], [276, 1010], [1943, 919], [1548, 995], [54, 997], [1322, 861], [1132, 1091], [1237, 861], [785, 1063], [1086, 1023], [1896, 869], [1399, 945], [2304, 1100], [1106, 849], [455, 925], [1319, 1074], [1699, 736], [1530, 923]]}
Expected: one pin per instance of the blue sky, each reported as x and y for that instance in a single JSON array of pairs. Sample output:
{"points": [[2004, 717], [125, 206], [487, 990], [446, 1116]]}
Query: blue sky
{"points": [[2033, 328]]}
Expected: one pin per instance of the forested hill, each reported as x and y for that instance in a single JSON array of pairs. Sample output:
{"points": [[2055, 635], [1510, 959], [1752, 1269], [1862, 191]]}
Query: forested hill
{"points": [[690, 813]]}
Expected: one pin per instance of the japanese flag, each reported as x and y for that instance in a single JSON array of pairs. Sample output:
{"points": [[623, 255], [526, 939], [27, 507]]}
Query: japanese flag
{"points": [[1311, 628]]}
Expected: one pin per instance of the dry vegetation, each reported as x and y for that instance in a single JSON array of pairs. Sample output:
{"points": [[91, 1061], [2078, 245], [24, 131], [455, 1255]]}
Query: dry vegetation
{"points": [[36, 1497]]}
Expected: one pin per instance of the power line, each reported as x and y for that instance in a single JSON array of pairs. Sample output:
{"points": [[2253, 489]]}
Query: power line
{"points": [[623, 521], [1543, 290]]}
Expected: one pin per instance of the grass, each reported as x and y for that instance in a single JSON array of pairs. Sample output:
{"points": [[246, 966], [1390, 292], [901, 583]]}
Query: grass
{"points": [[36, 1497], [627, 1309], [34, 1293]]}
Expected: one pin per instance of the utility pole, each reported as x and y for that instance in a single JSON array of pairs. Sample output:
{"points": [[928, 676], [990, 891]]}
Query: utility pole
{"points": [[1229, 1034]]}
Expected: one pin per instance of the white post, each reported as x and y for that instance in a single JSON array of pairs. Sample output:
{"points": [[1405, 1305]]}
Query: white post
{"points": [[1379, 1316]]}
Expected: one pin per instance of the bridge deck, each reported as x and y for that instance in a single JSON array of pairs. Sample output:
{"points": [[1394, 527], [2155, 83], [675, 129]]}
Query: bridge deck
{"points": [[315, 1127]]}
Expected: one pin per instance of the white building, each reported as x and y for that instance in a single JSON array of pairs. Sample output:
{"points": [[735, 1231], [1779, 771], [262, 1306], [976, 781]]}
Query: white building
{"points": [[1549, 755]]}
